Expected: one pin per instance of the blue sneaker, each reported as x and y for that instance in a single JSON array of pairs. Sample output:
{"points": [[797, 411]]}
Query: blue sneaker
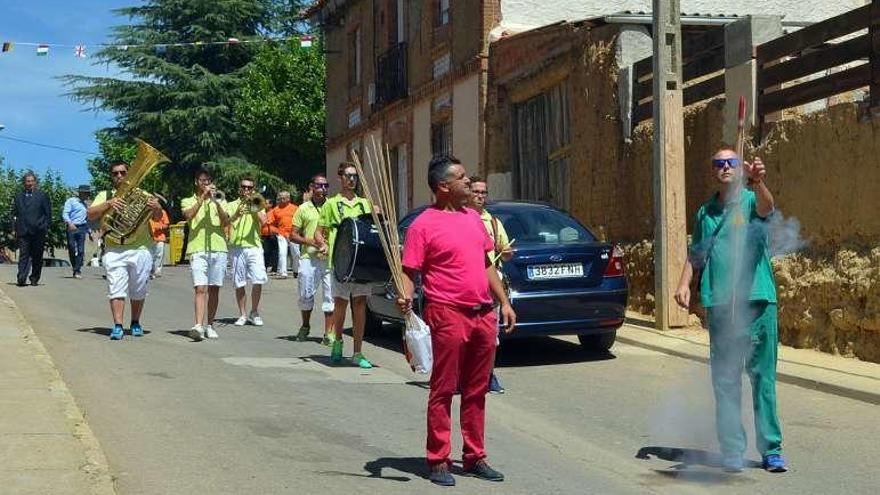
{"points": [[136, 329], [733, 464], [116, 333], [774, 463]]}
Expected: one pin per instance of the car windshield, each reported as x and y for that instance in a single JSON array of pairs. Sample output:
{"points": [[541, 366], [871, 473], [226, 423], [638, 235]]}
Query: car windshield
{"points": [[541, 225]]}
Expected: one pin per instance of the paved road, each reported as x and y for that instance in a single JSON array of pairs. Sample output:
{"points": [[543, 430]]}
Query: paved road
{"points": [[255, 412]]}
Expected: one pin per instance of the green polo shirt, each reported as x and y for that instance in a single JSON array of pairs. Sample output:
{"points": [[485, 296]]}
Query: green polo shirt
{"points": [[205, 228], [337, 209], [741, 245], [306, 221], [245, 230], [141, 239]]}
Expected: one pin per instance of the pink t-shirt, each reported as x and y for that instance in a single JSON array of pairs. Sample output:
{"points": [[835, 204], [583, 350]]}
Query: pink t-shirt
{"points": [[449, 249]]}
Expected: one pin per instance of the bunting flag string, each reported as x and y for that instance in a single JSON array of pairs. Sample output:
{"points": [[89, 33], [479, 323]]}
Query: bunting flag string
{"points": [[79, 50]]}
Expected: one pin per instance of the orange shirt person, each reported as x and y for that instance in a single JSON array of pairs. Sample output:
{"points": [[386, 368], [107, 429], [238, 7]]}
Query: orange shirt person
{"points": [[158, 230], [281, 221]]}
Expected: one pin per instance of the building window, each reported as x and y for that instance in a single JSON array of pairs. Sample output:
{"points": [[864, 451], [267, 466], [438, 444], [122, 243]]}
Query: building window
{"points": [[441, 65], [442, 12], [354, 58], [354, 117], [441, 138], [541, 137]]}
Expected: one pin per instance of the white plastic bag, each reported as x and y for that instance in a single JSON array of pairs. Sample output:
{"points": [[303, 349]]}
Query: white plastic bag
{"points": [[417, 339]]}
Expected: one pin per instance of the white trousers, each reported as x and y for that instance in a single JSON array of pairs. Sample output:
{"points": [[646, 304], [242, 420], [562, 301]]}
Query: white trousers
{"points": [[285, 248], [312, 273], [248, 267], [128, 273], [158, 256]]}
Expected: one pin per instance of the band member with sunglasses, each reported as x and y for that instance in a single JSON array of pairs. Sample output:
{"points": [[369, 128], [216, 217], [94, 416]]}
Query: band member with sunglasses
{"points": [[313, 264], [247, 219], [344, 205], [127, 266], [731, 251], [206, 249]]}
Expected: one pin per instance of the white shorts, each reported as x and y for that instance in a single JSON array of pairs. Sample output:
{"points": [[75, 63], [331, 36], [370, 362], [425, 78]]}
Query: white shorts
{"points": [[347, 290], [128, 272], [208, 268], [248, 266], [312, 273]]}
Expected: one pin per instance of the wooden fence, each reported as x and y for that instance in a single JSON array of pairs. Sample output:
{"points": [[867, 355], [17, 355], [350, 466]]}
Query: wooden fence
{"points": [[700, 56], [784, 62]]}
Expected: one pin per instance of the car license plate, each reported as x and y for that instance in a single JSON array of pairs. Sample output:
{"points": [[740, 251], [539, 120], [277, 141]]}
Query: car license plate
{"points": [[556, 270]]}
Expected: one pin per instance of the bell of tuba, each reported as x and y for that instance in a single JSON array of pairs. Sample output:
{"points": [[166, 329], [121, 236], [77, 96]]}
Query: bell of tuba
{"points": [[120, 225]]}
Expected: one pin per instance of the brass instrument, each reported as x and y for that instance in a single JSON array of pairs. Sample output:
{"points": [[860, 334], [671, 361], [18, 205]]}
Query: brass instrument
{"points": [[120, 225], [218, 195], [255, 203]]}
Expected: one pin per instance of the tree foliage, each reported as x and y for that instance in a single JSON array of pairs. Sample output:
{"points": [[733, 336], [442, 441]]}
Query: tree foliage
{"points": [[51, 184], [280, 113]]}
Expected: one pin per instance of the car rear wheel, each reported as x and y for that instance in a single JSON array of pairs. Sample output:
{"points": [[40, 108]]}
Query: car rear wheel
{"points": [[598, 342]]}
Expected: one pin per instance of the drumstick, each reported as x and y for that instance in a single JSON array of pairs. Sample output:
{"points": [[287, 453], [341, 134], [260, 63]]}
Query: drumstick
{"points": [[506, 247]]}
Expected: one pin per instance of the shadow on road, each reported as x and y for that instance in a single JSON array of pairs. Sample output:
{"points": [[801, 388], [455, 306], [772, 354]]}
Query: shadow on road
{"points": [[410, 465], [105, 331], [541, 351], [292, 338], [687, 458], [182, 333]]}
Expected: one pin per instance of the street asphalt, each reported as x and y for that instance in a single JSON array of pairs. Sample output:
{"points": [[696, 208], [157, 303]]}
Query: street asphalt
{"points": [[258, 412]]}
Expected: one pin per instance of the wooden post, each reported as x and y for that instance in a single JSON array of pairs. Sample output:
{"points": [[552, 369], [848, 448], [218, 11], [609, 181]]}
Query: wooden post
{"points": [[670, 228], [874, 29]]}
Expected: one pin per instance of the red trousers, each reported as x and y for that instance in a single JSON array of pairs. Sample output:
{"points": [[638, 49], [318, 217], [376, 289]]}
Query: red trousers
{"points": [[463, 343]]}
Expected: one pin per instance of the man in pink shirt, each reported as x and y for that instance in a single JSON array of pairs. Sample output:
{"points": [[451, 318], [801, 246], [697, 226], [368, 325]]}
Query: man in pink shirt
{"points": [[447, 244]]}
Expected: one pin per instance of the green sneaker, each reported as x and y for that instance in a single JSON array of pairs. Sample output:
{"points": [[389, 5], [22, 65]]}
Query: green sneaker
{"points": [[328, 340], [303, 334], [336, 352], [361, 361]]}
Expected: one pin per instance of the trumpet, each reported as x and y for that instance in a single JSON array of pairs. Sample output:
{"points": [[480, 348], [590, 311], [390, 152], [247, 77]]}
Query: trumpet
{"points": [[218, 195], [253, 203]]}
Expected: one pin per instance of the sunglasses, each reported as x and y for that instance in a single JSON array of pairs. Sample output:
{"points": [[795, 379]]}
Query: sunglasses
{"points": [[721, 162], [322, 185], [246, 187], [118, 172], [350, 176]]}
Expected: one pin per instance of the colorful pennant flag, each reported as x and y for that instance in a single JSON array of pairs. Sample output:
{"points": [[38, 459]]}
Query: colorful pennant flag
{"points": [[305, 41], [80, 51], [42, 50], [7, 46], [233, 41]]}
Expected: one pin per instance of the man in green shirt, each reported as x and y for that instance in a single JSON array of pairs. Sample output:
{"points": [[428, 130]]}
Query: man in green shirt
{"points": [[127, 266], [730, 247], [344, 205], [247, 218], [503, 251], [206, 249], [313, 269]]}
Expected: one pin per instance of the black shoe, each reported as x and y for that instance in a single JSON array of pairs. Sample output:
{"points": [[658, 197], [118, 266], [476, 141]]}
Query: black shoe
{"points": [[21, 283], [482, 470], [440, 475], [35, 282]]}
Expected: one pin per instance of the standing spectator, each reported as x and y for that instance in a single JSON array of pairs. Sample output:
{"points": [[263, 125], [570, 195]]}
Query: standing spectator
{"points": [[159, 231], [270, 243], [281, 218], [31, 212], [75, 216]]}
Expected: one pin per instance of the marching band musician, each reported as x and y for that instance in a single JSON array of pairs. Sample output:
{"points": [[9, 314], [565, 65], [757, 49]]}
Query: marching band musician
{"points": [[206, 217], [344, 205], [247, 219], [127, 266]]}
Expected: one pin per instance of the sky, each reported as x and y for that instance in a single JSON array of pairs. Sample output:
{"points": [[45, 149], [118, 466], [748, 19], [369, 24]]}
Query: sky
{"points": [[33, 105]]}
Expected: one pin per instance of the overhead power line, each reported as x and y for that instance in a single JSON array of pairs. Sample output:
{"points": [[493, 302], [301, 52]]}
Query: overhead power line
{"points": [[52, 146]]}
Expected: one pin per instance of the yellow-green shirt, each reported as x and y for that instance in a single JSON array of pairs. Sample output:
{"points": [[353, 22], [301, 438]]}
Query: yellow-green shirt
{"points": [[205, 228], [306, 221], [246, 229], [335, 210], [141, 239], [499, 238]]}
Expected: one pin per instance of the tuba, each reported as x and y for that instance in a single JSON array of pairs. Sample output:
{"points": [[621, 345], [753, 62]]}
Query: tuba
{"points": [[120, 225]]}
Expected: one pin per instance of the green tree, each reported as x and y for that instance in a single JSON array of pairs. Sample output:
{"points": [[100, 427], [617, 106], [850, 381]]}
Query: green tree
{"points": [[280, 113], [178, 98]]}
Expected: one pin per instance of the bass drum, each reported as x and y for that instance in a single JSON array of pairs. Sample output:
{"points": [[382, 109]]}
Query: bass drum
{"points": [[357, 253]]}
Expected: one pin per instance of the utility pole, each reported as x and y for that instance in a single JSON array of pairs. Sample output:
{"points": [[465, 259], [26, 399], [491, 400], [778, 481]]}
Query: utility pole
{"points": [[670, 227]]}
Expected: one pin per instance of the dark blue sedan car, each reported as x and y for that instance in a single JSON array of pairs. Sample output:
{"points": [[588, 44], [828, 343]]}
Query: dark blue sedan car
{"points": [[562, 280]]}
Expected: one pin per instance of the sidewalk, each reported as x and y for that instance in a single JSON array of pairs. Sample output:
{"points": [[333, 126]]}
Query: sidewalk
{"points": [[45, 444], [847, 377]]}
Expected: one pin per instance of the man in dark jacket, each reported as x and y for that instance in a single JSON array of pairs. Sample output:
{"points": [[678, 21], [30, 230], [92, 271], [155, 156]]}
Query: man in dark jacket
{"points": [[32, 213]]}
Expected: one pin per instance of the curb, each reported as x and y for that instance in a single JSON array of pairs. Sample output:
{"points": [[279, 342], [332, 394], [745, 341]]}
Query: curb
{"points": [[96, 466], [781, 375]]}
